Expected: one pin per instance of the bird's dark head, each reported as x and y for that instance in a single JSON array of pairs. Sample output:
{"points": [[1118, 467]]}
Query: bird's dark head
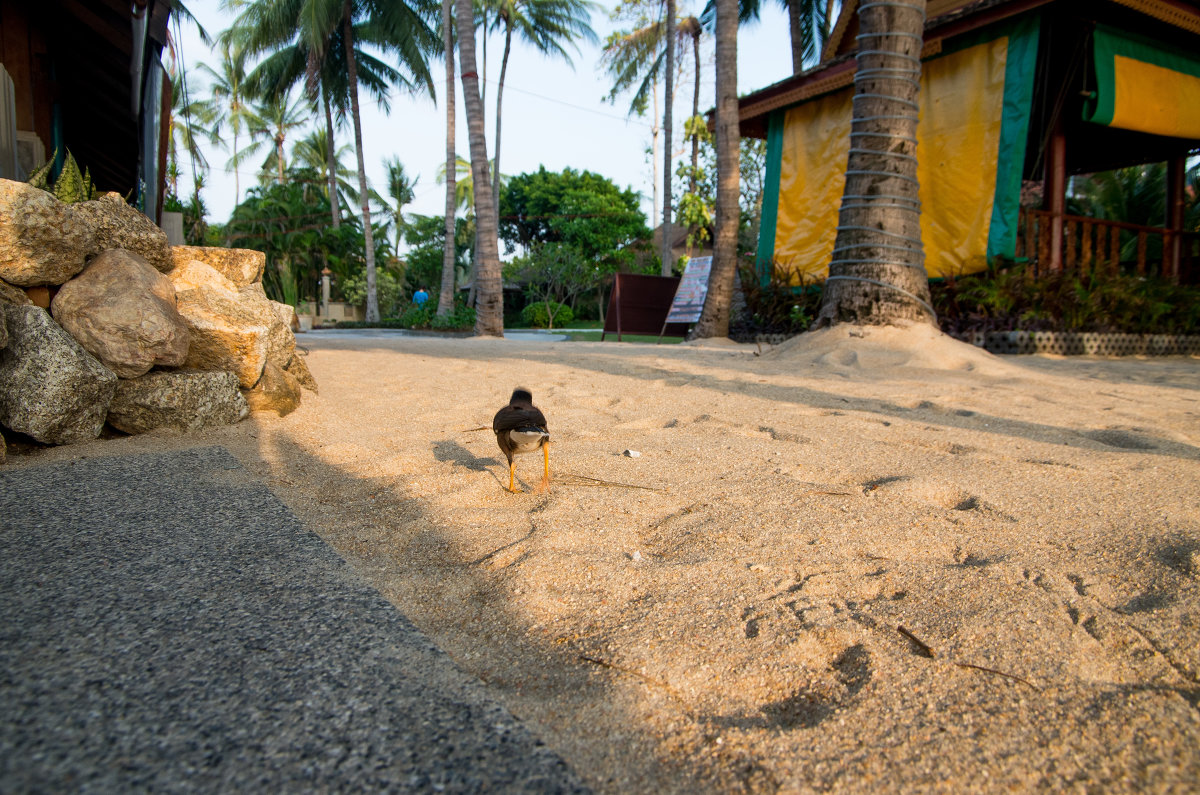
{"points": [[520, 396]]}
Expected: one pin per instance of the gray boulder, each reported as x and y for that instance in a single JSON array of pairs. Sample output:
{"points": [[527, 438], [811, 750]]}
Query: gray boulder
{"points": [[41, 241], [122, 311], [50, 387], [115, 224], [181, 400]]}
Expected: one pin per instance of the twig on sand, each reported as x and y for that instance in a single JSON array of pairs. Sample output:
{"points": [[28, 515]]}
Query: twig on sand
{"points": [[598, 482], [999, 673], [925, 651], [922, 647], [472, 430]]}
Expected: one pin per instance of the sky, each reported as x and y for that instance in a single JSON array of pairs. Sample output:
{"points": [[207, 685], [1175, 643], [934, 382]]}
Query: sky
{"points": [[553, 115]]}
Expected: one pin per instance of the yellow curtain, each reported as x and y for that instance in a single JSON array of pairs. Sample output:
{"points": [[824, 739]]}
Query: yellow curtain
{"points": [[958, 140]]}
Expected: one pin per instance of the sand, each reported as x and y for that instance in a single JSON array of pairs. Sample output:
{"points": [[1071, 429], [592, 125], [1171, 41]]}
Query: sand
{"points": [[865, 560]]}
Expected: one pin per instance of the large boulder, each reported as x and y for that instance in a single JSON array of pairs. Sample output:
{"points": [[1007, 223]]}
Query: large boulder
{"points": [[122, 311], [277, 391], [224, 334], [181, 400], [41, 241], [242, 266], [50, 387], [115, 224]]}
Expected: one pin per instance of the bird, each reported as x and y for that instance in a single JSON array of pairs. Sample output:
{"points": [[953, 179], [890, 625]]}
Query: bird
{"points": [[521, 428]]}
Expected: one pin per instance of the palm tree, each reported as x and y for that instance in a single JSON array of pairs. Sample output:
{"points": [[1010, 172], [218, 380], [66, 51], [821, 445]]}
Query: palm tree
{"points": [[190, 122], [640, 57], [229, 94], [446, 294], [877, 275], [399, 27], [311, 152], [669, 100], [277, 116], [714, 320], [545, 25], [809, 22], [489, 308], [400, 188], [324, 78]]}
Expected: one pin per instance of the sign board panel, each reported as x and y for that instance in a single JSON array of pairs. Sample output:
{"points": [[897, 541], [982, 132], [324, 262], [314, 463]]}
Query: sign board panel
{"points": [[693, 287]]}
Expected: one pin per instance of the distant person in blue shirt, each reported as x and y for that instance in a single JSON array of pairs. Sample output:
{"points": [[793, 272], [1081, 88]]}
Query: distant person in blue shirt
{"points": [[420, 296]]}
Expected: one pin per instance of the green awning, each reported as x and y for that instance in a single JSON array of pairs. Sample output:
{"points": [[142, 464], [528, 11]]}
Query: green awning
{"points": [[1144, 86]]}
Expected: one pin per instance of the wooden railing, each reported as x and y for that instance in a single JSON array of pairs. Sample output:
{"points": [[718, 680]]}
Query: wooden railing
{"points": [[1108, 246]]}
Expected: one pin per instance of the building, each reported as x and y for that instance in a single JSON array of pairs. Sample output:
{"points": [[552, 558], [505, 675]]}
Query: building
{"points": [[1011, 91], [87, 75]]}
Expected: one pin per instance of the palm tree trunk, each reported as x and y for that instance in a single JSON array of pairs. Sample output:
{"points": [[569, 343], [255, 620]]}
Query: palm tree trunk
{"points": [[237, 187], [714, 320], [877, 276], [368, 232], [667, 132], [499, 99], [279, 157], [695, 111], [796, 28], [331, 159], [446, 295], [489, 308]]}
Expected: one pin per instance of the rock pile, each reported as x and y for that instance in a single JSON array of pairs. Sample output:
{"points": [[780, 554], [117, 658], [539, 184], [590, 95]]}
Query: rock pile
{"points": [[101, 320]]}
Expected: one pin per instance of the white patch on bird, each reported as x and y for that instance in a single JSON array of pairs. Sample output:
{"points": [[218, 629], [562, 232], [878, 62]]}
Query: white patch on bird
{"points": [[526, 441]]}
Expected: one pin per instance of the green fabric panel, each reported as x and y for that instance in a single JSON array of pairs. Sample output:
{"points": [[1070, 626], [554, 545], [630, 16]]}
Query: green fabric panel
{"points": [[770, 204], [1019, 70], [1107, 43]]}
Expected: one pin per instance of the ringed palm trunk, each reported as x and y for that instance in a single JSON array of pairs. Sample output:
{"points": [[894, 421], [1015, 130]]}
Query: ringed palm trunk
{"points": [[331, 159], [877, 276], [714, 320], [489, 311], [446, 296], [368, 233], [667, 131]]}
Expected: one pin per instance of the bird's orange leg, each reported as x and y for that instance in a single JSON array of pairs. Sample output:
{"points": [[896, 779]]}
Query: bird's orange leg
{"points": [[511, 486], [546, 468]]}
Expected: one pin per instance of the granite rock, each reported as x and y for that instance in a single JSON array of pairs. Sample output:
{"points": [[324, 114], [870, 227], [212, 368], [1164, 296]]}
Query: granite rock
{"points": [[41, 241], [115, 224], [181, 400], [50, 387]]}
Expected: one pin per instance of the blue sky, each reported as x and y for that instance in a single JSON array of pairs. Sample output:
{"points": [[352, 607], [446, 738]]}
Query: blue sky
{"points": [[553, 115]]}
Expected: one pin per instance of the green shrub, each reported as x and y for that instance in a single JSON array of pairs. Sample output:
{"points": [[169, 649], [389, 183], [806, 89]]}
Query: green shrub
{"points": [[776, 307], [546, 314]]}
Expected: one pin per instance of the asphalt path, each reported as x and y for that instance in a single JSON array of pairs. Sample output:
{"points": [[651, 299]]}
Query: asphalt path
{"points": [[167, 625]]}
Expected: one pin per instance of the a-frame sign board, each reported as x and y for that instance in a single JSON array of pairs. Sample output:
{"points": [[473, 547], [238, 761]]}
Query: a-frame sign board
{"points": [[688, 302]]}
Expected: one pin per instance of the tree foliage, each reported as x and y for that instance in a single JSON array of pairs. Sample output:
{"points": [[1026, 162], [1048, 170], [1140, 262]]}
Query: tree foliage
{"points": [[581, 209]]}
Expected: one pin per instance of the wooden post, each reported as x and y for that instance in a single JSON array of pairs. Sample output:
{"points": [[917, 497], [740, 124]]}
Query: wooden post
{"points": [[1054, 194], [1176, 176]]}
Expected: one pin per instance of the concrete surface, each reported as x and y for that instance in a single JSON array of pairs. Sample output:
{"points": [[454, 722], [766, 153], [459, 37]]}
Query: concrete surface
{"points": [[167, 625]]}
